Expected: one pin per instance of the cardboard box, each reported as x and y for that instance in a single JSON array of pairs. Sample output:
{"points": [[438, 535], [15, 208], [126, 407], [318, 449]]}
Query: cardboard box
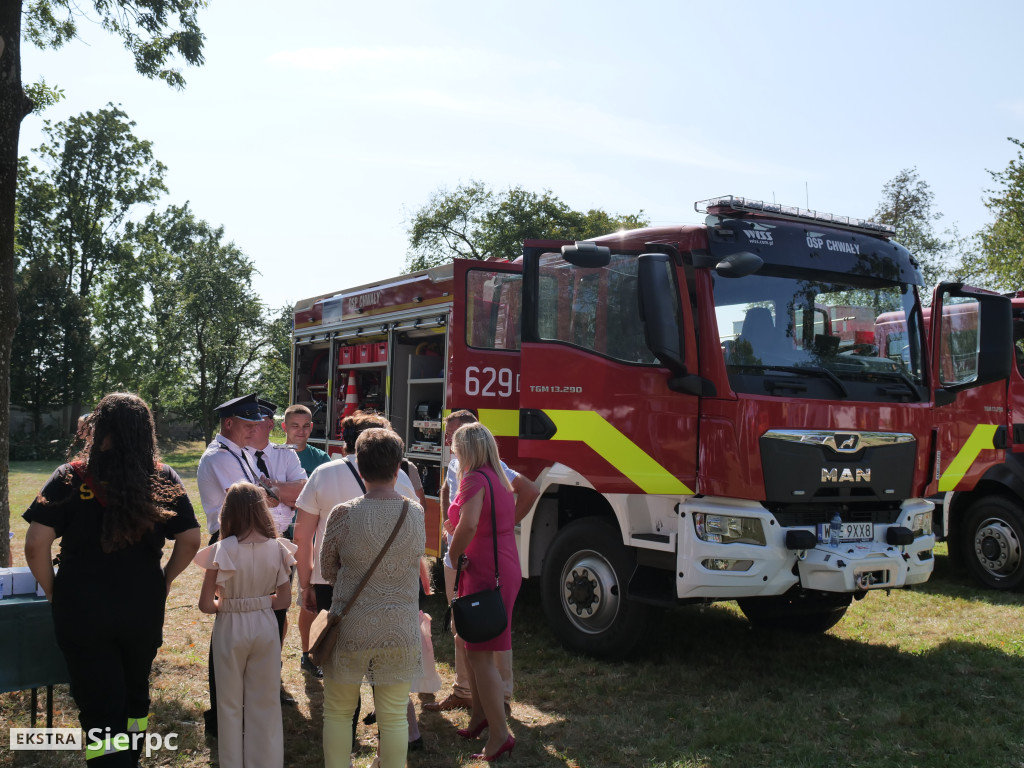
{"points": [[24, 582], [17, 581]]}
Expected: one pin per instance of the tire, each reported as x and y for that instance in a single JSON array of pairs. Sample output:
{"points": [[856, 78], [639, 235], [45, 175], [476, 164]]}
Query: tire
{"points": [[993, 542], [803, 612], [583, 591]]}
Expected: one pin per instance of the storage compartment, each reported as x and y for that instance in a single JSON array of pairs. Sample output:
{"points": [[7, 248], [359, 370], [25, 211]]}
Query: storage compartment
{"points": [[312, 377], [368, 393], [426, 366]]}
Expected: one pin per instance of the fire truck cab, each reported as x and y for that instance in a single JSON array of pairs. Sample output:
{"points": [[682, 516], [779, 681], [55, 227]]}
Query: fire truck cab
{"points": [[704, 408]]}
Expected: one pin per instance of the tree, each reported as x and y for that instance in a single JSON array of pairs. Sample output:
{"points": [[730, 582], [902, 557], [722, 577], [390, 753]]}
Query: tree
{"points": [[1000, 255], [907, 204], [155, 31], [473, 222], [210, 331], [100, 172], [50, 312], [273, 379]]}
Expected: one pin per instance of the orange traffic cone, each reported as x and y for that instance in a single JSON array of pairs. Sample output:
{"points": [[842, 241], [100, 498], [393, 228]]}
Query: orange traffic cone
{"points": [[351, 397]]}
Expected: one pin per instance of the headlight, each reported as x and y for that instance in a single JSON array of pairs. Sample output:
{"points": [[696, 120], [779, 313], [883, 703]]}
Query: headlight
{"points": [[727, 529], [921, 524]]}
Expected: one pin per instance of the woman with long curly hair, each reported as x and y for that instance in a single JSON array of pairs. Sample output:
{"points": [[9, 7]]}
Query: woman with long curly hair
{"points": [[112, 509]]}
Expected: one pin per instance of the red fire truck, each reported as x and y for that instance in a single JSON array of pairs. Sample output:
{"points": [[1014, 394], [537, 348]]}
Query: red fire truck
{"points": [[984, 523], [701, 407]]}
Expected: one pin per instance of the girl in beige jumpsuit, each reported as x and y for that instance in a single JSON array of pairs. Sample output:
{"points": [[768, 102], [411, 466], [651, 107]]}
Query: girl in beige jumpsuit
{"points": [[246, 580]]}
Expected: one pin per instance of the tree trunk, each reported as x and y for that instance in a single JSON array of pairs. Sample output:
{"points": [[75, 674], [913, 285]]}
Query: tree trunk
{"points": [[14, 105]]}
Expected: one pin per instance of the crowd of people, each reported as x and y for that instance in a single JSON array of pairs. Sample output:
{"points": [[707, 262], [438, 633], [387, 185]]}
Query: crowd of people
{"points": [[275, 514]]}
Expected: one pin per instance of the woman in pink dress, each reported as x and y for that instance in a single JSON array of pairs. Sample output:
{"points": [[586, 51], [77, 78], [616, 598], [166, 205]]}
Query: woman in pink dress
{"points": [[469, 518]]}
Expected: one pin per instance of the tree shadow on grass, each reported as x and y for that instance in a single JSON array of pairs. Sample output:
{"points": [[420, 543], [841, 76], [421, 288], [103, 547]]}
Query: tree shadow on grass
{"points": [[708, 689]]}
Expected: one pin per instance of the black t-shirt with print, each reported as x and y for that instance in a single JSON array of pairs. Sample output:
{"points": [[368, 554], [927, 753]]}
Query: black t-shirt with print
{"points": [[91, 580]]}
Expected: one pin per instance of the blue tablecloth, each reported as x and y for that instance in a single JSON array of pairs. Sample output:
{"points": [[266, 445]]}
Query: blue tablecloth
{"points": [[29, 656]]}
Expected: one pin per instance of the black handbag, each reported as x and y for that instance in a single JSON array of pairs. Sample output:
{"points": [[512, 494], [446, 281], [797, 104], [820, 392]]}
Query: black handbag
{"points": [[481, 616]]}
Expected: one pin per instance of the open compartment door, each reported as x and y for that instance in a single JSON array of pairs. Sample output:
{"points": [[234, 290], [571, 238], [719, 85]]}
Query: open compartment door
{"points": [[970, 338], [484, 351]]}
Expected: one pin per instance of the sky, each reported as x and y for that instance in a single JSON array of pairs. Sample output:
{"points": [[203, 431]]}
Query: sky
{"points": [[317, 128]]}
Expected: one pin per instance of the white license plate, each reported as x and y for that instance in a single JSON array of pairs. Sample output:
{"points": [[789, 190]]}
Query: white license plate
{"points": [[850, 532]]}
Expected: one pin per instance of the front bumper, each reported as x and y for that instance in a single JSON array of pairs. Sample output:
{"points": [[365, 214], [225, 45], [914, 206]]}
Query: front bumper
{"points": [[773, 569]]}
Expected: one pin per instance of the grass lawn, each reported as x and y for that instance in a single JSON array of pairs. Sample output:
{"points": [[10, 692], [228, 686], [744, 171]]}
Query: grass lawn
{"points": [[930, 677]]}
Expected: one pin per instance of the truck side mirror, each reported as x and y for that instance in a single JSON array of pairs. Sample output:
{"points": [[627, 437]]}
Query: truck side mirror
{"points": [[587, 255], [659, 303], [658, 311], [739, 264]]}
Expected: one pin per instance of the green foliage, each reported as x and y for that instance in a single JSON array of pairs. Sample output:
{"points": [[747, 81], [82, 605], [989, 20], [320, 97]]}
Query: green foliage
{"points": [[123, 334], [908, 205], [164, 308], [101, 171], [273, 378], [79, 271], [1001, 244], [447, 226], [474, 222], [209, 329], [154, 31], [54, 319], [43, 95]]}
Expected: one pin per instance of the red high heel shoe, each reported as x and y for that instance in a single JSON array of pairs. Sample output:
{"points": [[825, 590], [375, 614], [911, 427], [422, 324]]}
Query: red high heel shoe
{"points": [[507, 747], [472, 733]]}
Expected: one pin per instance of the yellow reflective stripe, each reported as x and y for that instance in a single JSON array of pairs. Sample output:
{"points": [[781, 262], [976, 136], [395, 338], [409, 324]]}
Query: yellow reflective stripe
{"points": [[617, 449], [502, 423], [138, 724], [97, 748], [980, 440]]}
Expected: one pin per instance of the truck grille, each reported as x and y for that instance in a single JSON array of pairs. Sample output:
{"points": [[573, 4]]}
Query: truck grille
{"points": [[807, 514]]}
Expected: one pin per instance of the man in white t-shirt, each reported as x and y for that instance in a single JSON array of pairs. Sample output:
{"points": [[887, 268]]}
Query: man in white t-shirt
{"points": [[526, 493]]}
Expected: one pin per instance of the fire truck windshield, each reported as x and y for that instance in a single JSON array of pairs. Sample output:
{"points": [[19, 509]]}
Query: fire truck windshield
{"points": [[818, 337]]}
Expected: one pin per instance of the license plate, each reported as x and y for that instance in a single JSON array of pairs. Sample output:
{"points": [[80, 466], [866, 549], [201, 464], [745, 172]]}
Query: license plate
{"points": [[850, 532]]}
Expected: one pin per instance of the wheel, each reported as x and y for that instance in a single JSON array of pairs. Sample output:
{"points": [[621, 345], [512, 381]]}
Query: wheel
{"points": [[992, 533], [583, 590], [805, 612]]}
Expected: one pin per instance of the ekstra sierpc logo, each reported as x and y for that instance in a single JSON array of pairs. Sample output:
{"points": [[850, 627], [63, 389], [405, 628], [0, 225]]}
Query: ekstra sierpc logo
{"points": [[97, 741]]}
